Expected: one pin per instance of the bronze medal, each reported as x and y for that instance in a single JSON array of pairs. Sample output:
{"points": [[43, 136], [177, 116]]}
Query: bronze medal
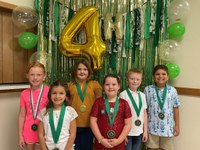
{"points": [[137, 122], [161, 101], [34, 127], [161, 116], [35, 111], [111, 134], [83, 108], [56, 148]]}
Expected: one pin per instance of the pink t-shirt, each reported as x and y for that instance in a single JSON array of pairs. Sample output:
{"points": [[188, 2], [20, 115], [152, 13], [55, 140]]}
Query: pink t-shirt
{"points": [[28, 133]]}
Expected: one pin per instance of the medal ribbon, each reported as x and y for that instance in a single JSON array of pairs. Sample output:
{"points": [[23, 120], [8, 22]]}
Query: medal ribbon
{"points": [[81, 95], [137, 109], [34, 112], [161, 103], [111, 120], [56, 132]]}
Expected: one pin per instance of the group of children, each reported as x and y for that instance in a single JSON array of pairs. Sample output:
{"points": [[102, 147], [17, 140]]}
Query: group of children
{"points": [[71, 115]]}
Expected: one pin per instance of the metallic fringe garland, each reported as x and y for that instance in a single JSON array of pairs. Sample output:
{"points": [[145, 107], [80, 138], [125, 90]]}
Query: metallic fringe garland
{"points": [[134, 43]]}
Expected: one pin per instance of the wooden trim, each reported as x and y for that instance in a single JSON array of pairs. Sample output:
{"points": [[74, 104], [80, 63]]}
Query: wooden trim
{"points": [[7, 6], [11, 91], [9, 88], [188, 91], [180, 90]]}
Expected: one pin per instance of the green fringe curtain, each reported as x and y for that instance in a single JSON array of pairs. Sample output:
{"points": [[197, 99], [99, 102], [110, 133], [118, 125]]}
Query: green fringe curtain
{"points": [[144, 28]]}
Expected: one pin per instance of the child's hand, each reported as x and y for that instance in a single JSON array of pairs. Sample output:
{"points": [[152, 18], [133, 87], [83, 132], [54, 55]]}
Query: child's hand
{"points": [[144, 137], [21, 142], [114, 142], [105, 142], [176, 131], [126, 141]]}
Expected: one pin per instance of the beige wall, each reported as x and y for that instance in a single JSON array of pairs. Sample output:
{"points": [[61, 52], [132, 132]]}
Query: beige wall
{"points": [[9, 108], [29, 3], [189, 124], [189, 62]]}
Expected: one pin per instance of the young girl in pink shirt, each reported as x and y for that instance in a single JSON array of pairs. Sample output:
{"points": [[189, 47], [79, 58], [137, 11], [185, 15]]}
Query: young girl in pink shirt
{"points": [[32, 100]]}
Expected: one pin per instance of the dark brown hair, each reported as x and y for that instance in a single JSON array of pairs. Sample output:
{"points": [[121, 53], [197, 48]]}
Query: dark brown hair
{"points": [[162, 67], [56, 84], [86, 64], [112, 76]]}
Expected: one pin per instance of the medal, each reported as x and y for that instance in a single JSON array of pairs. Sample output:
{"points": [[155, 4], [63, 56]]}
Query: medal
{"points": [[161, 116], [111, 134], [83, 108], [55, 131], [111, 110], [56, 148], [136, 108], [34, 127], [137, 122], [81, 94], [161, 101], [34, 112]]}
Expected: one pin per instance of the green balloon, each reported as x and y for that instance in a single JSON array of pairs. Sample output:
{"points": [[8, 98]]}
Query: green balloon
{"points": [[173, 70], [176, 30], [27, 40]]}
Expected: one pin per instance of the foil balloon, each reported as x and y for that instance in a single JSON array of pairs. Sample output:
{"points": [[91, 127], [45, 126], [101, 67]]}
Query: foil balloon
{"points": [[24, 17], [94, 48], [119, 27], [108, 26]]}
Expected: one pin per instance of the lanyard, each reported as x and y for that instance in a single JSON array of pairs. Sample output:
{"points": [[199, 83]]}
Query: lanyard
{"points": [[111, 120], [137, 109], [161, 103], [56, 132], [81, 95], [34, 112]]}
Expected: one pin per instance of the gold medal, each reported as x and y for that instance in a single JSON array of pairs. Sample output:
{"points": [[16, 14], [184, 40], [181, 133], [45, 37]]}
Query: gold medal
{"points": [[56, 148], [83, 108]]}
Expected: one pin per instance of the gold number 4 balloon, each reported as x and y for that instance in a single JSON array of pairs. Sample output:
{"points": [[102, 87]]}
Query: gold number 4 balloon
{"points": [[94, 48]]}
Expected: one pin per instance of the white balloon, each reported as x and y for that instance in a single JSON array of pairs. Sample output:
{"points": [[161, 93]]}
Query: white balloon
{"points": [[44, 58], [24, 17], [178, 10], [169, 50]]}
